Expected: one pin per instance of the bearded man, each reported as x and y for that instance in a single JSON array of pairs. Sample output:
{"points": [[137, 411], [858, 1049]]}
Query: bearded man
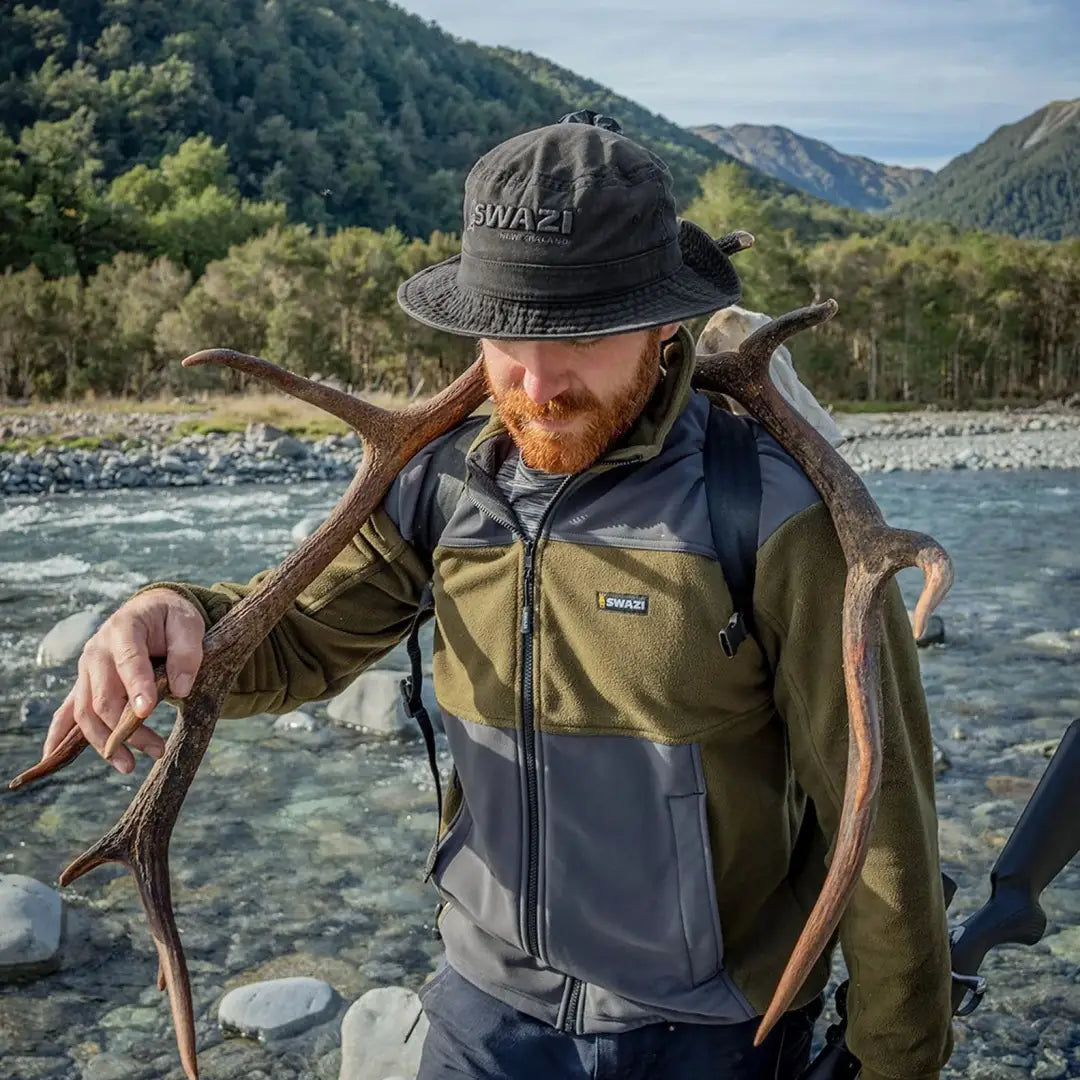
{"points": [[637, 825]]}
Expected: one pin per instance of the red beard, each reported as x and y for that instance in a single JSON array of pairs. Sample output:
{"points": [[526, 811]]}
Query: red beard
{"points": [[599, 426]]}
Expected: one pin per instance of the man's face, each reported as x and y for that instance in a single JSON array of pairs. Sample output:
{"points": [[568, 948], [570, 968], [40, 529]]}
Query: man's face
{"points": [[565, 402]]}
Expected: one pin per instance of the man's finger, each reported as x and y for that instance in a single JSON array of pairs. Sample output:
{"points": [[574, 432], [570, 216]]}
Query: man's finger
{"points": [[132, 660], [146, 739], [63, 720], [109, 700], [184, 629], [95, 729]]}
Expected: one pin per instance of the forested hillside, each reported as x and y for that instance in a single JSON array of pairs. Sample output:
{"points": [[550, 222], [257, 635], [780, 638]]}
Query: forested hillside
{"points": [[263, 174], [1024, 180], [350, 112]]}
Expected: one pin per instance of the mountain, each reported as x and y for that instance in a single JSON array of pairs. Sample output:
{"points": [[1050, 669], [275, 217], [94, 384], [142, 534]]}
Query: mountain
{"points": [[1024, 179], [687, 153], [814, 166], [349, 112]]}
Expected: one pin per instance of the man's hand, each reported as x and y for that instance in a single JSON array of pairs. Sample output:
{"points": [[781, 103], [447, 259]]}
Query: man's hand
{"points": [[115, 668]]}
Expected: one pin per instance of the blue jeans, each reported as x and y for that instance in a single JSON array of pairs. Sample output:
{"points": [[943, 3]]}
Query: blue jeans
{"points": [[473, 1036]]}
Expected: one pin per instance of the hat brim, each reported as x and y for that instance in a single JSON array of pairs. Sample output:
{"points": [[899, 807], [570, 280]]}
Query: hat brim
{"points": [[706, 282]]}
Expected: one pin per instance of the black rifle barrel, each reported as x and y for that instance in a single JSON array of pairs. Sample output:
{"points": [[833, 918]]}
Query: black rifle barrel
{"points": [[1045, 838]]}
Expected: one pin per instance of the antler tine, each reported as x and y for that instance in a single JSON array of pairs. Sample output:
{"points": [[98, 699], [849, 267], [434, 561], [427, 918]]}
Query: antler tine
{"points": [[874, 553], [360, 415], [140, 840], [733, 242], [66, 751]]}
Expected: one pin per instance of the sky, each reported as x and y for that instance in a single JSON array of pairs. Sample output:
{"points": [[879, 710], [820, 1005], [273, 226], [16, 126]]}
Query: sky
{"points": [[907, 82]]}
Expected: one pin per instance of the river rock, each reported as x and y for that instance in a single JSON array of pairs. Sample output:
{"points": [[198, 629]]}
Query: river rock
{"points": [[287, 447], [1055, 641], [64, 642], [263, 433], [35, 712], [382, 1035], [31, 927], [942, 764], [296, 721], [373, 702], [306, 526], [934, 632], [1011, 787], [279, 1008]]}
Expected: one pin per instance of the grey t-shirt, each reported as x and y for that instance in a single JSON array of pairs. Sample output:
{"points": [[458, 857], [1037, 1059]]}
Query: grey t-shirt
{"points": [[529, 491]]}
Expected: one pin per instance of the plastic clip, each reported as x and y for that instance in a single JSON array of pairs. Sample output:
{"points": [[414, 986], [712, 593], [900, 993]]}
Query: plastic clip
{"points": [[974, 991], [733, 635]]}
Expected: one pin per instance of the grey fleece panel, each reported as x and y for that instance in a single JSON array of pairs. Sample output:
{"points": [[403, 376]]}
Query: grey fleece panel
{"points": [[428, 487], [527, 984], [479, 863], [656, 505], [632, 916], [626, 866], [785, 488]]}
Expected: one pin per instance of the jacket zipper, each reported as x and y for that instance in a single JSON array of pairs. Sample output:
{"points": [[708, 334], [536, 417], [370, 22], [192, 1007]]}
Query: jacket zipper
{"points": [[528, 731], [532, 901]]}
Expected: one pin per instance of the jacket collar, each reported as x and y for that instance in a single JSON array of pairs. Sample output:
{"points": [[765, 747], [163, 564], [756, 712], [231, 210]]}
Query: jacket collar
{"points": [[647, 435]]}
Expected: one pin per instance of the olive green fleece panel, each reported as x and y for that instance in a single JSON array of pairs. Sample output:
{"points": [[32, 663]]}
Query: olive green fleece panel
{"points": [[754, 811], [654, 675], [452, 803], [476, 662], [351, 615], [894, 931]]}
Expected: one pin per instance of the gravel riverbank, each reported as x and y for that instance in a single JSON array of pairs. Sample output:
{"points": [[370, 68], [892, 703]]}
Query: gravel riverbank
{"points": [[147, 452]]}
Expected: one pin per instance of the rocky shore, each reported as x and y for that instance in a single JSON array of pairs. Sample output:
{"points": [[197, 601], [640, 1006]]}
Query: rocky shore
{"points": [[149, 454]]}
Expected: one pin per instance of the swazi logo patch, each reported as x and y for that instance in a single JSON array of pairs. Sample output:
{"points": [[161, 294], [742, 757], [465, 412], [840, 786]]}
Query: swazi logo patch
{"points": [[522, 218], [627, 603]]}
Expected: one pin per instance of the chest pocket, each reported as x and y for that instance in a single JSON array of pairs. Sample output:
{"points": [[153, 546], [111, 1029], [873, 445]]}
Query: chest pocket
{"points": [[627, 643]]}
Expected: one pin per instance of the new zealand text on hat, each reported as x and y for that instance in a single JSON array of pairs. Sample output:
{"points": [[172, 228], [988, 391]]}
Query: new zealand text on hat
{"points": [[570, 231]]}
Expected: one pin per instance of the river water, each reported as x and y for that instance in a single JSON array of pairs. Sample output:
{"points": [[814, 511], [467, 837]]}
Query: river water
{"points": [[298, 853]]}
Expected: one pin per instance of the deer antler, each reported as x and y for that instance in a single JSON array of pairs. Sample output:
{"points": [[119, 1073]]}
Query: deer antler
{"points": [[874, 553], [140, 839]]}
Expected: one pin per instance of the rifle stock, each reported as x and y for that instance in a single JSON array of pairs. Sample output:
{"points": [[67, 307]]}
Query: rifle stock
{"points": [[1044, 840]]}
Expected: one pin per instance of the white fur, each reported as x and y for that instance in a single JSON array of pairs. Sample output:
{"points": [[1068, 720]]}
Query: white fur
{"points": [[729, 328]]}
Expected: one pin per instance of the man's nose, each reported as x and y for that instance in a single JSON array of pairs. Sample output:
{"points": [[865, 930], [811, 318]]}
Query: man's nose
{"points": [[543, 378]]}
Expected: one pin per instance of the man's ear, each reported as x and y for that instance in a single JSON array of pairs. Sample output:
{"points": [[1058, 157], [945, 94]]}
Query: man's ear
{"points": [[668, 331]]}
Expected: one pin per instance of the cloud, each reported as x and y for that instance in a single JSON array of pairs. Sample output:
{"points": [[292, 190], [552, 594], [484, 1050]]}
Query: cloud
{"points": [[917, 80]]}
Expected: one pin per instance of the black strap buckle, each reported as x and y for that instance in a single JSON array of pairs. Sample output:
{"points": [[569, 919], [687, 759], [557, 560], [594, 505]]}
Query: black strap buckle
{"points": [[974, 991], [412, 702], [733, 635]]}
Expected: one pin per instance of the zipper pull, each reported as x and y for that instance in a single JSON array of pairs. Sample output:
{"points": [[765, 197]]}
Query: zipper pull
{"points": [[527, 605]]}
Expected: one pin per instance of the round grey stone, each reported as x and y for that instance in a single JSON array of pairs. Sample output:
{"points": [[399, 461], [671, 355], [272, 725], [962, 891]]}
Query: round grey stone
{"points": [[278, 1008], [934, 632], [382, 1035], [31, 927], [373, 702], [306, 526], [63, 643]]}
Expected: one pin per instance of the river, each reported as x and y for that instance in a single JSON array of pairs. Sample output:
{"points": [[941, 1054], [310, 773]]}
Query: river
{"points": [[299, 853]]}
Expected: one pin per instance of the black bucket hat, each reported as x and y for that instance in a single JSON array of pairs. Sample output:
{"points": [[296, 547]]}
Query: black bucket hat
{"points": [[570, 231]]}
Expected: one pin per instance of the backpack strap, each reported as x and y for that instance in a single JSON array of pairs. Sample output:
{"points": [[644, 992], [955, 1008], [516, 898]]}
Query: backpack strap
{"points": [[444, 497], [410, 688], [733, 491]]}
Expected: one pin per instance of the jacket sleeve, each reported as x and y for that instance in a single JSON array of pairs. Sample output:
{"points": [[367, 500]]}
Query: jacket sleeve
{"points": [[894, 931], [352, 614]]}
